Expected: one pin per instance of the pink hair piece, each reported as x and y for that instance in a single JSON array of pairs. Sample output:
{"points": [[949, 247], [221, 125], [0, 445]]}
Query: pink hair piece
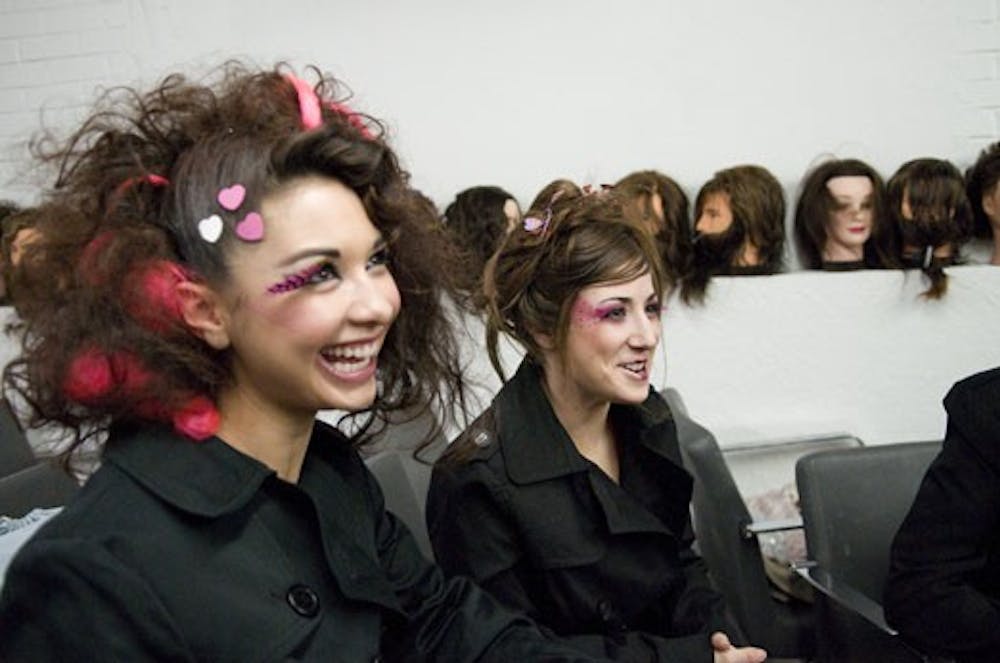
{"points": [[352, 117], [155, 303], [309, 108], [94, 374], [198, 418]]}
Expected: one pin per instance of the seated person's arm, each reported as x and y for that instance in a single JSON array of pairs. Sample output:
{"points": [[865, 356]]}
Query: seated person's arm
{"points": [[942, 544]]}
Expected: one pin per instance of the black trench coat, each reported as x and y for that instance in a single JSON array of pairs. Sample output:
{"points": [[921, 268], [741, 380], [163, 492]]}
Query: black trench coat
{"points": [[943, 589], [608, 566], [184, 551]]}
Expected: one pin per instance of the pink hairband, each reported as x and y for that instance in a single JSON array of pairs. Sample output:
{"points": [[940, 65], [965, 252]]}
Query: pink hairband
{"points": [[311, 111]]}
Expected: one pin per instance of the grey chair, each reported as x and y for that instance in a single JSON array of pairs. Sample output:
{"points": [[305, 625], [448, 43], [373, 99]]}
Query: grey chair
{"points": [[727, 541], [853, 501], [25, 481], [404, 480], [15, 452]]}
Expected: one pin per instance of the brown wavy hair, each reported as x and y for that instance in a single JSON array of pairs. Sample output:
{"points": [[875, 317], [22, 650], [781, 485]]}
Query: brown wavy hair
{"points": [[980, 179], [757, 203], [816, 204], [531, 282], [108, 216], [476, 222], [673, 227], [942, 216]]}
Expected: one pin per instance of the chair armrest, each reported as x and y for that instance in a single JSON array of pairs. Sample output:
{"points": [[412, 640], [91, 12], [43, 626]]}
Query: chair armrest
{"points": [[845, 595], [751, 529]]}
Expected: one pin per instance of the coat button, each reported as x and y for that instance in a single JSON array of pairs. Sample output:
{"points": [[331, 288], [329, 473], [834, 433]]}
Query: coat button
{"points": [[303, 600]]}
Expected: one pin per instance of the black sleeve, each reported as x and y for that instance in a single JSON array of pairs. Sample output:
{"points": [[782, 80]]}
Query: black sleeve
{"points": [[942, 542], [72, 600]]}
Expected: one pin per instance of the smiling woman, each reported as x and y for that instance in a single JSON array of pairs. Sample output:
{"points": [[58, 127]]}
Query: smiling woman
{"points": [[222, 261], [566, 498]]}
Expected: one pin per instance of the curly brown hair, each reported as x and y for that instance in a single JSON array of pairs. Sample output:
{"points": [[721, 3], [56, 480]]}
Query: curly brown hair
{"points": [[941, 216], [530, 284], [672, 221], [131, 181]]}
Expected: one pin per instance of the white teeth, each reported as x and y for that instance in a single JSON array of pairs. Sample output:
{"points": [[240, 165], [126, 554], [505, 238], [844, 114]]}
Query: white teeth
{"points": [[351, 367], [354, 352]]}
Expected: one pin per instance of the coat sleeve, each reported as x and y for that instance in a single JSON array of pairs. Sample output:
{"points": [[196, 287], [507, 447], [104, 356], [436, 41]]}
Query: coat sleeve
{"points": [[472, 536], [71, 600], [453, 619], [942, 542]]}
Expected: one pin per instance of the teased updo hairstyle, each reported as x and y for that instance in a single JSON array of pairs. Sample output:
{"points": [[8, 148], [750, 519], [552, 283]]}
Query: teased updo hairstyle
{"points": [[672, 227], [942, 216], [816, 204], [103, 337], [572, 242]]}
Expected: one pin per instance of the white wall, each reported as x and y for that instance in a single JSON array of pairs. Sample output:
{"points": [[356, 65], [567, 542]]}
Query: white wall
{"points": [[519, 92]]}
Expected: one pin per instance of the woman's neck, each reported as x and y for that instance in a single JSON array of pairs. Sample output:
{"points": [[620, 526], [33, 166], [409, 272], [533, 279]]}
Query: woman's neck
{"points": [[586, 421], [278, 439]]}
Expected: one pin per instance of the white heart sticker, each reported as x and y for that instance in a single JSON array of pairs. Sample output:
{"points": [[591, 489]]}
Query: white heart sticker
{"points": [[210, 228]]}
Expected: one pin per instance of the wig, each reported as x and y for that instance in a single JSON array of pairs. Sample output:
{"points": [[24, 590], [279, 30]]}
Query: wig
{"points": [[816, 205], [981, 180], [477, 223], [662, 204], [939, 216], [758, 207]]}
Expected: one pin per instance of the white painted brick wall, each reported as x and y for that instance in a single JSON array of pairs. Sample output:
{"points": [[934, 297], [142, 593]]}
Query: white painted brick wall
{"points": [[53, 55], [980, 71]]}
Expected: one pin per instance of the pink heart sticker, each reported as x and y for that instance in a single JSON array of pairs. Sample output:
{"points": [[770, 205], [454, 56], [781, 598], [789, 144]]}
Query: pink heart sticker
{"points": [[251, 228], [232, 197]]}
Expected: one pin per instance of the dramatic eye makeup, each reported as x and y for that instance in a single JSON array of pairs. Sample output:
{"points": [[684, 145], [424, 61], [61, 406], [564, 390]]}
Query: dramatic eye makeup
{"points": [[613, 310], [326, 269], [317, 273]]}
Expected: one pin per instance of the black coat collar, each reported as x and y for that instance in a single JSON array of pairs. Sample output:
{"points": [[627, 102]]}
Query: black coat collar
{"points": [[208, 478], [535, 445]]}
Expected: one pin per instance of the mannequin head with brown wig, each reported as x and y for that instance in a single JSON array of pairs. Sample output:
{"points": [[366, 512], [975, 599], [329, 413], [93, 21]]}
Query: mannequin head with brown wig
{"points": [[663, 206], [931, 212], [575, 241], [477, 220], [200, 234], [840, 218], [982, 185], [739, 228]]}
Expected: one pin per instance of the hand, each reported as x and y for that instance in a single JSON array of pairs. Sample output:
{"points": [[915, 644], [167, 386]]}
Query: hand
{"points": [[725, 652]]}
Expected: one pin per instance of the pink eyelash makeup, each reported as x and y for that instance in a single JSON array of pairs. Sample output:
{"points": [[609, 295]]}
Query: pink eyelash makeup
{"points": [[295, 281]]}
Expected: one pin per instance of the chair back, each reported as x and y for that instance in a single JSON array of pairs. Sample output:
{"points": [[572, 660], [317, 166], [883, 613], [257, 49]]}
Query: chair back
{"points": [[15, 451], [404, 480], [734, 562], [853, 501]]}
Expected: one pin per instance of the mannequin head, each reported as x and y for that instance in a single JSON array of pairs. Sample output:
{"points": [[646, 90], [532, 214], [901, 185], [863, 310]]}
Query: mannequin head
{"points": [[477, 221], [982, 185], [739, 227], [840, 217], [929, 207], [661, 205]]}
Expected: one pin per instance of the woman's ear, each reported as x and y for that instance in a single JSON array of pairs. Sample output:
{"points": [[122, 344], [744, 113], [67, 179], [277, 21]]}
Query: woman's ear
{"points": [[544, 341], [203, 313]]}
